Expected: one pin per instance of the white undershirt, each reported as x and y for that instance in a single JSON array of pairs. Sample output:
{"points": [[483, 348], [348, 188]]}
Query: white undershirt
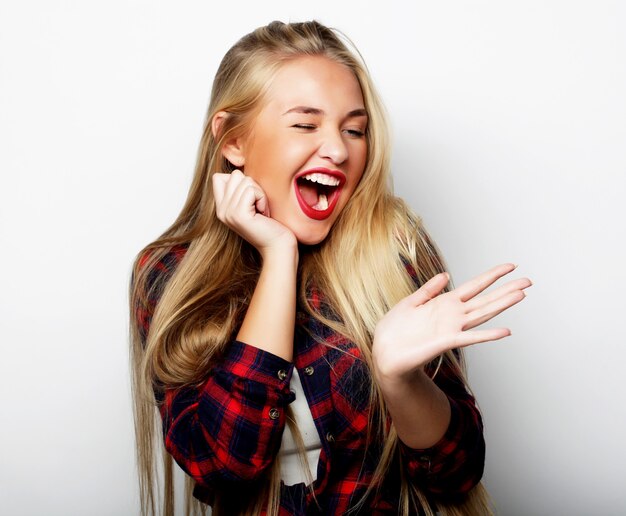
{"points": [[291, 469]]}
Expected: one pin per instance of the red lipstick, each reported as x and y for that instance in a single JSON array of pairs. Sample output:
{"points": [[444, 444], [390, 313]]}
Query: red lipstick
{"points": [[311, 212]]}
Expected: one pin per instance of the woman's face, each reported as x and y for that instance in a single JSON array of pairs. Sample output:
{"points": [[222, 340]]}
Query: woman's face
{"points": [[307, 147]]}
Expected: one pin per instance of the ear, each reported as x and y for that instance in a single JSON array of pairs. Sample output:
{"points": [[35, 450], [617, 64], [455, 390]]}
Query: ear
{"points": [[233, 149]]}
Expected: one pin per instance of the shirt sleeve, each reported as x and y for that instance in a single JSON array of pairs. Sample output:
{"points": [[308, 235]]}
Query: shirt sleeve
{"points": [[229, 427], [455, 464]]}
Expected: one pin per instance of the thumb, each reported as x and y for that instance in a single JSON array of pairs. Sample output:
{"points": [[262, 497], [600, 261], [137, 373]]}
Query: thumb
{"points": [[432, 288], [261, 204]]}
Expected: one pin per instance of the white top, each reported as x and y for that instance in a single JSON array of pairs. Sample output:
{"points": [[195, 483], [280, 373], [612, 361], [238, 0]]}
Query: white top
{"points": [[291, 468]]}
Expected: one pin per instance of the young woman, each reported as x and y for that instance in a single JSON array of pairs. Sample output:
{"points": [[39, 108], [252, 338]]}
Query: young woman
{"points": [[294, 326]]}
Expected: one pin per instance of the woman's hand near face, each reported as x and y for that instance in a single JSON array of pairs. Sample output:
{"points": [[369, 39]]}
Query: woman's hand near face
{"points": [[427, 323], [241, 204]]}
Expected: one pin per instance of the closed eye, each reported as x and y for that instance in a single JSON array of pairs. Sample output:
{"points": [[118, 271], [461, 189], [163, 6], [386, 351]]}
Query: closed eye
{"points": [[355, 133]]}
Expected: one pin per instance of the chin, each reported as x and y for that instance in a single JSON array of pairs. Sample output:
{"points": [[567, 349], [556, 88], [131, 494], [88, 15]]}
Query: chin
{"points": [[309, 238], [311, 241]]}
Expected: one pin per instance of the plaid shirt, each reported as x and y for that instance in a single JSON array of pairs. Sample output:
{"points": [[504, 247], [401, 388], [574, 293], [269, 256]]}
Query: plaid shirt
{"points": [[228, 431]]}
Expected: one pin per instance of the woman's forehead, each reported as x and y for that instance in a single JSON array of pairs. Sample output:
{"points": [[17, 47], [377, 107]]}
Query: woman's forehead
{"points": [[316, 82]]}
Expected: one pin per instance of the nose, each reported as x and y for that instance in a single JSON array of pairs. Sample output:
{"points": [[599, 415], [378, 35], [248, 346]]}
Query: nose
{"points": [[333, 148]]}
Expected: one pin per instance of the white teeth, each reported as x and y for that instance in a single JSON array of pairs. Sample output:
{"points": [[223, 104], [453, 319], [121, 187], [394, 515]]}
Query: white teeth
{"points": [[322, 179], [322, 203]]}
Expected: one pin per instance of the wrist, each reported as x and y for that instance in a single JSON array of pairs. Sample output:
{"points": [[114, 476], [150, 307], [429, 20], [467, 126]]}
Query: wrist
{"points": [[396, 382], [280, 256], [390, 366]]}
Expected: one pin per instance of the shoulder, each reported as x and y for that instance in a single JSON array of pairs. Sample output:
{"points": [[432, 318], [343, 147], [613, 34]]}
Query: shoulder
{"points": [[159, 264], [153, 268], [162, 259]]}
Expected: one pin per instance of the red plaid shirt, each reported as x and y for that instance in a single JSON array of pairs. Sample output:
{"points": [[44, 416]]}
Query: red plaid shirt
{"points": [[227, 432]]}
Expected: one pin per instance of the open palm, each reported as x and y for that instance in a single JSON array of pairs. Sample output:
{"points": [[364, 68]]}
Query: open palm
{"points": [[427, 323]]}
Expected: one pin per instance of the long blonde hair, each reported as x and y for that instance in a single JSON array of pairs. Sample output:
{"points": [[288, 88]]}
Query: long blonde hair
{"points": [[203, 303]]}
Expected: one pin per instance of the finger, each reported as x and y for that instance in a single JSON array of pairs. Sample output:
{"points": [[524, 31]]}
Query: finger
{"points": [[219, 186], [250, 194], [251, 198], [262, 205], [476, 285], [235, 190], [481, 301], [234, 182], [467, 338], [494, 308], [432, 288]]}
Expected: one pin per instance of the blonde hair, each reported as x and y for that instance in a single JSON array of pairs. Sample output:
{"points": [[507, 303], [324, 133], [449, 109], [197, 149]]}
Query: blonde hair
{"points": [[203, 303]]}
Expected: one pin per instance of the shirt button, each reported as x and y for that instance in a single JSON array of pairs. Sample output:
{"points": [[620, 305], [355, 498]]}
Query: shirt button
{"points": [[274, 413], [330, 437], [282, 374], [309, 371]]}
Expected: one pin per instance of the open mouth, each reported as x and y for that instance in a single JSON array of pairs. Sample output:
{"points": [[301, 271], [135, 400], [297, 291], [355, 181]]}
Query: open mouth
{"points": [[317, 192]]}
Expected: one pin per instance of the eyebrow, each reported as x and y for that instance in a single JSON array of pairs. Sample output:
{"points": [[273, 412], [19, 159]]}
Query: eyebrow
{"points": [[307, 110]]}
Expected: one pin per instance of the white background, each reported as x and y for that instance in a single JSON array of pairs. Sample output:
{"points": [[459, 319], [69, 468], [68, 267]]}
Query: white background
{"points": [[510, 130]]}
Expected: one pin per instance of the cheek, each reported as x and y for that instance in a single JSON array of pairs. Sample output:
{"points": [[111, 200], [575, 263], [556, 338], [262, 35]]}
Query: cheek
{"points": [[274, 157], [360, 161], [261, 162]]}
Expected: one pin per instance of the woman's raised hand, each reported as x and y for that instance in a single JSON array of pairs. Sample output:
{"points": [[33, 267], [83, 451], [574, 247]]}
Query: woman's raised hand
{"points": [[427, 323], [242, 205]]}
